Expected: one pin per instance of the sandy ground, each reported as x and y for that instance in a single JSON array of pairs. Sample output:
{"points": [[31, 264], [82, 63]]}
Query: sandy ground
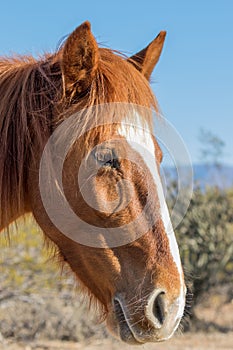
{"points": [[199, 341]]}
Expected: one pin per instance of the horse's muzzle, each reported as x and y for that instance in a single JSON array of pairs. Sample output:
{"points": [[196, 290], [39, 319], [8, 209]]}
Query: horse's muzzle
{"points": [[155, 321]]}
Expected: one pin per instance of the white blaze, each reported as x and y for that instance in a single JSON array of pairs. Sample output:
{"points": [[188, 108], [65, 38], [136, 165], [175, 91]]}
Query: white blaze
{"points": [[140, 139]]}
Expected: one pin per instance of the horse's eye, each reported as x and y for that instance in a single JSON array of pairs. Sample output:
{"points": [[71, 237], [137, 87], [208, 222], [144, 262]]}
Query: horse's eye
{"points": [[113, 163], [107, 158]]}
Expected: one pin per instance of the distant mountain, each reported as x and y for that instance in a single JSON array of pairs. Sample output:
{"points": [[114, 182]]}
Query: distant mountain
{"points": [[206, 175], [210, 175]]}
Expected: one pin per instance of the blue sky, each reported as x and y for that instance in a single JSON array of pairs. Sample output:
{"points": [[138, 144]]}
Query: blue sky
{"points": [[194, 78]]}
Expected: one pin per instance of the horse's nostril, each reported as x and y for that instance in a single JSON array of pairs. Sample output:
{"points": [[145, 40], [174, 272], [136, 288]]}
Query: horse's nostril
{"points": [[124, 326], [159, 309], [118, 310]]}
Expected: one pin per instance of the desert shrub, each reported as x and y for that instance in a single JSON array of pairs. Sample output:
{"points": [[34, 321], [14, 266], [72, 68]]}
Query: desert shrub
{"points": [[205, 239]]}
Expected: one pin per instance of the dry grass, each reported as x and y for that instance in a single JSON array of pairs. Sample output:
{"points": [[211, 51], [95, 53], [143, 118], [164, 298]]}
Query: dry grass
{"points": [[41, 307]]}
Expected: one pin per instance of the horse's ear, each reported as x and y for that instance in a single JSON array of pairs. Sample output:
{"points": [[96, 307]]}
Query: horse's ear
{"points": [[79, 59], [146, 59]]}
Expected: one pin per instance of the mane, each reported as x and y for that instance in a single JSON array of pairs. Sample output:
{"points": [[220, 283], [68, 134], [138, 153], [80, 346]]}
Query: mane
{"points": [[28, 89], [33, 102]]}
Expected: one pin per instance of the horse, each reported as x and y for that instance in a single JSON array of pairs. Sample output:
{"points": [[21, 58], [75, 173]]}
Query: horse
{"points": [[139, 281]]}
